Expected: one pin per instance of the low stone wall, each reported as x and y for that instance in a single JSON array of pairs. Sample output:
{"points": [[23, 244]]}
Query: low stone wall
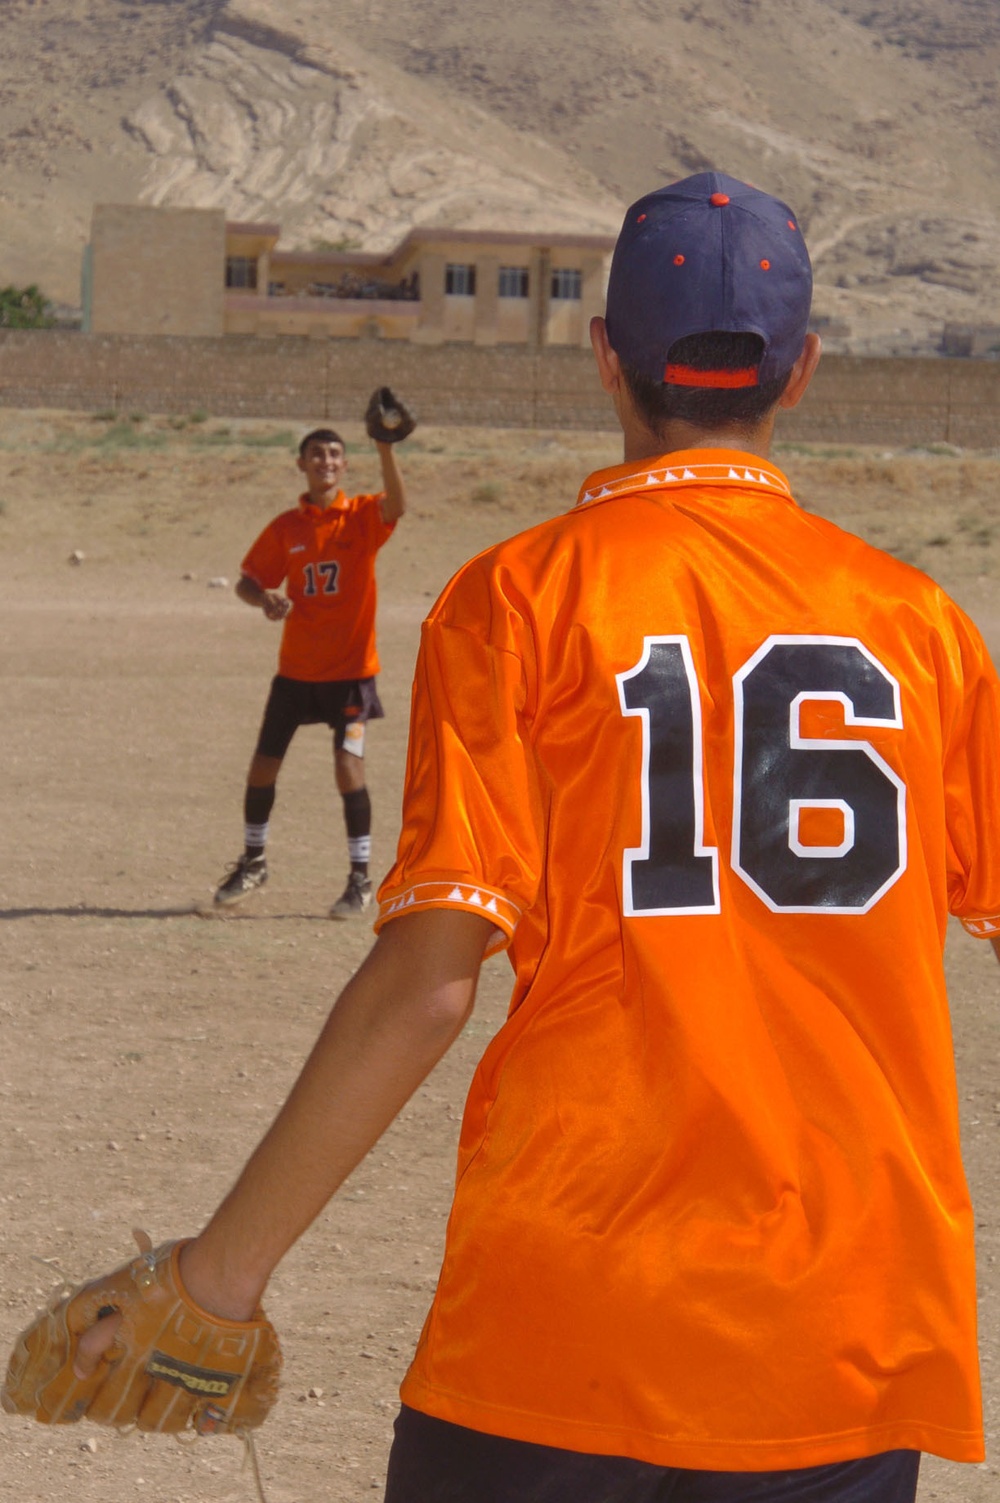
{"points": [[900, 402], [852, 400]]}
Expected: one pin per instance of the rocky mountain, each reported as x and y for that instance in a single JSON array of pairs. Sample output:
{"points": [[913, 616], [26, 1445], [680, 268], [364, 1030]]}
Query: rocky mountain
{"points": [[351, 120]]}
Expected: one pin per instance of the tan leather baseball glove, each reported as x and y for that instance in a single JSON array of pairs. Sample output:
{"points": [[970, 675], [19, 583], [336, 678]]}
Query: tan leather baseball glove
{"points": [[172, 1366]]}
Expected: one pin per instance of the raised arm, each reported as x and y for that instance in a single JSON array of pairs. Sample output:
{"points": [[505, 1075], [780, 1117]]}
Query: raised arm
{"points": [[387, 422], [394, 498]]}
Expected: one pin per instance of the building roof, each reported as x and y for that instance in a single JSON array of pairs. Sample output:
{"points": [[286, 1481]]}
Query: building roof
{"points": [[263, 229], [420, 235]]}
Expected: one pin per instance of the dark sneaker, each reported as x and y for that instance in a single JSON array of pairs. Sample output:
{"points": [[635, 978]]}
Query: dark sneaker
{"points": [[244, 877], [356, 897]]}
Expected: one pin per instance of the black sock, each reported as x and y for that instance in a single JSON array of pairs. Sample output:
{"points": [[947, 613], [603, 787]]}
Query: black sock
{"points": [[358, 819], [257, 806]]}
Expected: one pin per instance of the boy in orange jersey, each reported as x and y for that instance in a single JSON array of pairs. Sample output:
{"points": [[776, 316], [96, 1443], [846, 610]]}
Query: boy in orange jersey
{"points": [[714, 773], [324, 551]]}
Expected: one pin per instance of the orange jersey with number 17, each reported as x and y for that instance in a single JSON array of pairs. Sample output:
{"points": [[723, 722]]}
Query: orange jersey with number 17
{"points": [[326, 557], [718, 772]]}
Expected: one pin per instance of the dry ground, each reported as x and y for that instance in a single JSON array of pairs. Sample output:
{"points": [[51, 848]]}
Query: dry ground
{"points": [[144, 1048]]}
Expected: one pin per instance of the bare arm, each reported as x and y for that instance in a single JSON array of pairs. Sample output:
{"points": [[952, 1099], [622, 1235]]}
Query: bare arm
{"points": [[274, 605], [389, 1027], [394, 500], [387, 1030]]}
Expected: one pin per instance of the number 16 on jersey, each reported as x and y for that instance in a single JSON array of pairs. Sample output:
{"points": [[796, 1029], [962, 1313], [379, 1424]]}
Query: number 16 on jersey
{"points": [[779, 775]]}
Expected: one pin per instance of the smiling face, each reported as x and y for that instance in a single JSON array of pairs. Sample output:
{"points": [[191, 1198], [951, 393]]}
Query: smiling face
{"points": [[323, 463]]}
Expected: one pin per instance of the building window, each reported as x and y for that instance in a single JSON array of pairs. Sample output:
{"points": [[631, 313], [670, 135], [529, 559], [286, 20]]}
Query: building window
{"points": [[513, 281], [566, 283], [459, 281], [241, 271]]}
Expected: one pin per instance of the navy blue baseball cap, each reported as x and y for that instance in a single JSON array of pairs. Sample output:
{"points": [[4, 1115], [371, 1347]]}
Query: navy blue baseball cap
{"points": [[705, 254]]}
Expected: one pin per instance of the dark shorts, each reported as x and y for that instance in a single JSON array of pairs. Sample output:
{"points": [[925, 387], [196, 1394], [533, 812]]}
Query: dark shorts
{"points": [[433, 1461], [293, 702]]}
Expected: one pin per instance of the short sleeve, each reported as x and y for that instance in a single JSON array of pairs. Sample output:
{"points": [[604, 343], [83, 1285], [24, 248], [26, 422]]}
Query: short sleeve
{"points": [[472, 805], [374, 528], [972, 795], [267, 561]]}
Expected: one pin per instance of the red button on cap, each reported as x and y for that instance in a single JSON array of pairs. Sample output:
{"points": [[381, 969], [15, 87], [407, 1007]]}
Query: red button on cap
{"points": [[718, 199]]}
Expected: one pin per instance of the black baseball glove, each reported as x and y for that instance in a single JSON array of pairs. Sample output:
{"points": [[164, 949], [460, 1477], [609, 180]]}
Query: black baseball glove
{"points": [[387, 419]]}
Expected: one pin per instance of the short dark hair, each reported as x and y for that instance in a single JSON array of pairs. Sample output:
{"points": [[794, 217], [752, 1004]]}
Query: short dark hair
{"points": [[707, 407], [320, 436]]}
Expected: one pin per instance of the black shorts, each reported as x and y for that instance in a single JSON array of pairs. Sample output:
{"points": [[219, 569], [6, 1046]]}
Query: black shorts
{"points": [[433, 1461], [293, 702]]}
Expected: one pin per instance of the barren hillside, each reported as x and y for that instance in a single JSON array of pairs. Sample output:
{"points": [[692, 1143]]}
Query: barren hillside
{"points": [[354, 119]]}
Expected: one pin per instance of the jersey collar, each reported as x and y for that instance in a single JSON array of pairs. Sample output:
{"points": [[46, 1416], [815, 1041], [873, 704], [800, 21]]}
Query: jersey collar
{"points": [[339, 503], [726, 467]]}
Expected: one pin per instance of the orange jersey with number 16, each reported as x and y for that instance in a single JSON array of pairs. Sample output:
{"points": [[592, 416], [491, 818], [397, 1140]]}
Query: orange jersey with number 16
{"points": [[717, 772], [326, 556]]}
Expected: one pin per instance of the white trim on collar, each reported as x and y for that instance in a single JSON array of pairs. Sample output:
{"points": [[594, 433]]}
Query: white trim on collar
{"points": [[723, 473]]}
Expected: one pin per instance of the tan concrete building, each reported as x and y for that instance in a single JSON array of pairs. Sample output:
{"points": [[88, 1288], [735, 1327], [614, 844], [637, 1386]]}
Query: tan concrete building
{"points": [[187, 271], [154, 271]]}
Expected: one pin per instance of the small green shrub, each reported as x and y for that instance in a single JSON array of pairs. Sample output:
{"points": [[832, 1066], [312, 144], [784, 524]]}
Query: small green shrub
{"points": [[284, 439], [123, 435], [25, 308]]}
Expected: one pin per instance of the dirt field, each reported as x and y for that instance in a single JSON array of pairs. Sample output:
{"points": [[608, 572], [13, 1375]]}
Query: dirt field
{"points": [[144, 1048]]}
